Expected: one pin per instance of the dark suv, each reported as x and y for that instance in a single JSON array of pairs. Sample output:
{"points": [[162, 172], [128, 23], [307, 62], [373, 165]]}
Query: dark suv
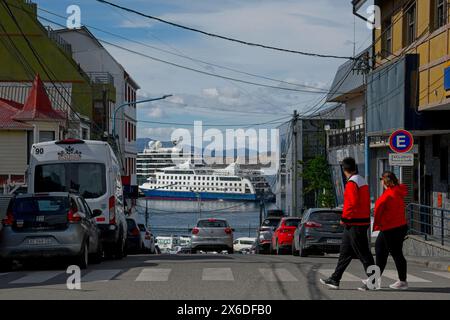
{"points": [[56, 224]]}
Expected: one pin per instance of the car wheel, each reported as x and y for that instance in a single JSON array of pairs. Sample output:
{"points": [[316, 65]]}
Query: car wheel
{"points": [[294, 250], [193, 251], [82, 259], [120, 248], [277, 248], [230, 251], [97, 256], [302, 250]]}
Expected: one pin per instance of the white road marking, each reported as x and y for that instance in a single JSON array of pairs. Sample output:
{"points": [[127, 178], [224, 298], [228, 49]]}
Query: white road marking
{"points": [[37, 277], [444, 274], [100, 275], [153, 274], [346, 276], [279, 274], [393, 275], [217, 274]]}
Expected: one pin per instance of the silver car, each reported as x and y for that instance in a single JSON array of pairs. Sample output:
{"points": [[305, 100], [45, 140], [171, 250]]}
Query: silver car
{"points": [[212, 235], [50, 225], [320, 231]]}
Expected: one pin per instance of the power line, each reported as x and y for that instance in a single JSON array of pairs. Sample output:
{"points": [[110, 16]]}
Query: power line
{"points": [[318, 55]]}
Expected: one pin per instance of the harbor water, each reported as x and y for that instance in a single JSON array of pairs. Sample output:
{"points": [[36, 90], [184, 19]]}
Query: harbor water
{"points": [[167, 217]]}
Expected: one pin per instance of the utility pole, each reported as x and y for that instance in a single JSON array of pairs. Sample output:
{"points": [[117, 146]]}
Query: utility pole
{"points": [[294, 163], [146, 213]]}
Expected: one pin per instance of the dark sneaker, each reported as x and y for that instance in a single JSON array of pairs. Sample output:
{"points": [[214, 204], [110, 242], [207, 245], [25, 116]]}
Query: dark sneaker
{"points": [[331, 283]]}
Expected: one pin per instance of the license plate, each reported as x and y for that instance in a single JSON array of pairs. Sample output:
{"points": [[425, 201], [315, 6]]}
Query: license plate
{"points": [[39, 241], [334, 241]]}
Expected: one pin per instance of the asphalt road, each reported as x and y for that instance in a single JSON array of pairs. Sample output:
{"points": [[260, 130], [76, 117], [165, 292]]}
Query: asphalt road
{"points": [[224, 277]]}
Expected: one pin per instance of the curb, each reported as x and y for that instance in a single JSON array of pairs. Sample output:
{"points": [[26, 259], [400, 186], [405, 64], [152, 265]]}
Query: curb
{"points": [[439, 265]]}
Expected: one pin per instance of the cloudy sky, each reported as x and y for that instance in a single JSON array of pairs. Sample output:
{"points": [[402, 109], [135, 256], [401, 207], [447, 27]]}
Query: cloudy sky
{"points": [[322, 26]]}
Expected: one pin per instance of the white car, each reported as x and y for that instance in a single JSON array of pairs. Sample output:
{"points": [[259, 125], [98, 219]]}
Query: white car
{"points": [[243, 244], [149, 239]]}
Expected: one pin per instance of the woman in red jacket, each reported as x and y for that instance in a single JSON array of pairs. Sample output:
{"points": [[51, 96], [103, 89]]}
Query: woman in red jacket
{"points": [[390, 220]]}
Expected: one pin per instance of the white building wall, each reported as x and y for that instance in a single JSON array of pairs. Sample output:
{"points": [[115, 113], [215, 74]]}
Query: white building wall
{"points": [[354, 112]]}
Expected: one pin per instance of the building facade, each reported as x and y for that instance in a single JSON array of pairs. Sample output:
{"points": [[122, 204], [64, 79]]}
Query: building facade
{"points": [[120, 88]]}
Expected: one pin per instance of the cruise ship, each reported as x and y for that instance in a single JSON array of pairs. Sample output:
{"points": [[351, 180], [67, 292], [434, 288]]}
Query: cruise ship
{"points": [[155, 157], [186, 182]]}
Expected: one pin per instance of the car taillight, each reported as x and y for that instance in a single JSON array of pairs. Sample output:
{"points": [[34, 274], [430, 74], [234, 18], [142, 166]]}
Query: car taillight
{"points": [[312, 224], [9, 219], [135, 232], [228, 231], [73, 216], [195, 231], [112, 210]]}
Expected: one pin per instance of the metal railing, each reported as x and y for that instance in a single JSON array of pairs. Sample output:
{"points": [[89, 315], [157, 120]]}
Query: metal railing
{"points": [[63, 44], [431, 223], [346, 136]]}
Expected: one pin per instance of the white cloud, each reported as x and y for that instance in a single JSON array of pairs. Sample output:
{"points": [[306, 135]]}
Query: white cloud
{"points": [[156, 113]]}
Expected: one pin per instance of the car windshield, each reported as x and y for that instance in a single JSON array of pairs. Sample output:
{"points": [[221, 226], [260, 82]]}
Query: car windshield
{"points": [[141, 227], [40, 206], [292, 222], [326, 216], [271, 222], [212, 224], [69, 177]]}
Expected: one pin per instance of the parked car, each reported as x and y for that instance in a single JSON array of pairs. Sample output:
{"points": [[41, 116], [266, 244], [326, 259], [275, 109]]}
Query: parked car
{"points": [[243, 245], [264, 236], [212, 235], [148, 239], [57, 224], [284, 234], [320, 231], [91, 169], [135, 240]]}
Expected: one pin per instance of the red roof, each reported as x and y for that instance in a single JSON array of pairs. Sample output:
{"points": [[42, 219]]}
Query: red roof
{"points": [[38, 105], [8, 109]]}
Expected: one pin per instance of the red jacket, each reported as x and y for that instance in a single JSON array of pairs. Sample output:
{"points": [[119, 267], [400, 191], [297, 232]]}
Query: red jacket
{"points": [[390, 209], [356, 210]]}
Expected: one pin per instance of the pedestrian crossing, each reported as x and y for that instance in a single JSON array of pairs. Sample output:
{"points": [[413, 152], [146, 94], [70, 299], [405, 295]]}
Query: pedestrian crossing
{"points": [[223, 274]]}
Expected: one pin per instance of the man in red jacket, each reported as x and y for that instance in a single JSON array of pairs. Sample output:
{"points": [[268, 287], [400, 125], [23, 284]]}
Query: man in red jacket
{"points": [[356, 221]]}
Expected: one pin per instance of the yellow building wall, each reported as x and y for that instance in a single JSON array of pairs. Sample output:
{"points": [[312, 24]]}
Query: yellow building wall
{"points": [[432, 46], [13, 152]]}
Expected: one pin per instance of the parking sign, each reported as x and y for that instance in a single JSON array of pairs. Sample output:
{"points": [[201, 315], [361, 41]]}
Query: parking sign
{"points": [[401, 141]]}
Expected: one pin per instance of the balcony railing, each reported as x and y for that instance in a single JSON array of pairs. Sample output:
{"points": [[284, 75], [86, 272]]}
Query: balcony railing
{"points": [[63, 44], [347, 136], [101, 77]]}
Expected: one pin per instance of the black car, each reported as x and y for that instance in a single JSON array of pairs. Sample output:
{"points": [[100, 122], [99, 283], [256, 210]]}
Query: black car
{"points": [[319, 231], [135, 243]]}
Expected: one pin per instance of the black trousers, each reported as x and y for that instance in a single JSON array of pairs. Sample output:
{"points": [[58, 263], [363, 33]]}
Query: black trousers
{"points": [[355, 244], [391, 242]]}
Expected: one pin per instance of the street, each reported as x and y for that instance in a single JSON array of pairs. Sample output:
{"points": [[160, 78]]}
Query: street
{"points": [[224, 277]]}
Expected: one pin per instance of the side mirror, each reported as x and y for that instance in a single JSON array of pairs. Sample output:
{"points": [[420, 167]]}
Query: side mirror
{"points": [[190, 229], [233, 229], [96, 213]]}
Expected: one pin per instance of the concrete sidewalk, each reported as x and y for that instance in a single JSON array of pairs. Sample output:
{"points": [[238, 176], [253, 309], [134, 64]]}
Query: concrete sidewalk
{"points": [[431, 262]]}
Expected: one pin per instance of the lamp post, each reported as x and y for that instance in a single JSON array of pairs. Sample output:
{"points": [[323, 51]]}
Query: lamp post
{"points": [[130, 103]]}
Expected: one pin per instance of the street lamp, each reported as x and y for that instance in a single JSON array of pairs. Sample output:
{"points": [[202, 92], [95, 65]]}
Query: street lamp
{"points": [[130, 103]]}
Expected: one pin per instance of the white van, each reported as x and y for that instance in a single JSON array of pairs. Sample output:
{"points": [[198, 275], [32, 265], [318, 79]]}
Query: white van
{"points": [[90, 169]]}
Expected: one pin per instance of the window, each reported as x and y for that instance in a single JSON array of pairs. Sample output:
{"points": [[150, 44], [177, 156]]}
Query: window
{"points": [[440, 13], [387, 46], [71, 176], [45, 136], [410, 24]]}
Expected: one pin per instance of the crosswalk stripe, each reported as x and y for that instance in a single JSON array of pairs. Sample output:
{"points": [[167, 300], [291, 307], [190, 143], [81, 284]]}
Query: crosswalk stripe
{"points": [[392, 274], [444, 274], [4, 274], [279, 274], [217, 274], [346, 277], [153, 274], [37, 277], [100, 275]]}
